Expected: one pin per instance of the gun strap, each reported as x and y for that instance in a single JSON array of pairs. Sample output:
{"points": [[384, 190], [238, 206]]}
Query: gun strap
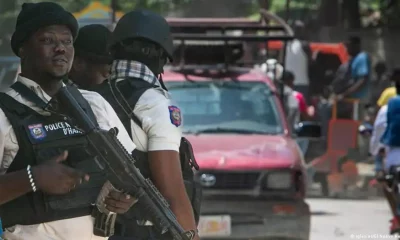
{"points": [[30, 95], [83, 103], [127, 99]]}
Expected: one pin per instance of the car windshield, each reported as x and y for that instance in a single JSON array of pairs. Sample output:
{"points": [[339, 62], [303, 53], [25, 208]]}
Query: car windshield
{"points": [[226, 107]]}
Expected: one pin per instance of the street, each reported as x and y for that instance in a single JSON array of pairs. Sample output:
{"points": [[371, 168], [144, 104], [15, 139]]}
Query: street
{"points": [[338, 219]]}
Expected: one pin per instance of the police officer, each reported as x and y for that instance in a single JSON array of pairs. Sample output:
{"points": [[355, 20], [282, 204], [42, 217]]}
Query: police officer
{"points": [[42, 197], [92, 59], [141, 45]]}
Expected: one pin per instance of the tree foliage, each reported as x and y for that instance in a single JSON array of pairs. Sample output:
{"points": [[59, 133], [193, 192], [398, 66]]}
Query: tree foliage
{"points": [[12, 7], [390, 9]]}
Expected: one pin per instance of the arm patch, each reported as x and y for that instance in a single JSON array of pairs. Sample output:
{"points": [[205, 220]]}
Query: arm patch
{"points": [[175, 115]]}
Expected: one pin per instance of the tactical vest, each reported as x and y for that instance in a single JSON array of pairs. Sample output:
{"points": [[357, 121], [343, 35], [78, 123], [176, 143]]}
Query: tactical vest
{"points": [[40, 138], [123, 97]]}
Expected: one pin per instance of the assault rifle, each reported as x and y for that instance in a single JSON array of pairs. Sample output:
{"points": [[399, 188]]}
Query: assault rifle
{"points": [[112, 157]]}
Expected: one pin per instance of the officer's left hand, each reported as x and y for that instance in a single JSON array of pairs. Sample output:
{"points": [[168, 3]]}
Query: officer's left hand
{"points": [[119, 202]]}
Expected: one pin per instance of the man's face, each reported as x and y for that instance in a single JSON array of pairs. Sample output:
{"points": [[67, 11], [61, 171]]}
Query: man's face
{"points": [[50, 50], [97, 73], [87, 74]]}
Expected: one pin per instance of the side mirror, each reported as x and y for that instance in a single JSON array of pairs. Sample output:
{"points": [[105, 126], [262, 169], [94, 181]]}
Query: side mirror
{"points": [[308, 130]]}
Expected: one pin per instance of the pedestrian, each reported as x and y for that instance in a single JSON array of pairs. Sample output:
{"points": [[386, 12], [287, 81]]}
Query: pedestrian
{"points": [[299, 60], [92, 61], [45, 191], [353, 80], [306, 112], [376, 148], [391, 140], [141, 45]]}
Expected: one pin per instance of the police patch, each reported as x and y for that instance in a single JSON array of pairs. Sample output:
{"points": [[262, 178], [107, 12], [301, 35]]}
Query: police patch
{"points": [[37, 131], [175, 115]]}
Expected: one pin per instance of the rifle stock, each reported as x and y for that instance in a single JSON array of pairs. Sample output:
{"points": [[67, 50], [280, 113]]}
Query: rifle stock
{"points": [[113, 158]]}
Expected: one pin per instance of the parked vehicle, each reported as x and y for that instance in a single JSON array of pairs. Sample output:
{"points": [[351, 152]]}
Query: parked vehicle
{"points": [[251, 168]]}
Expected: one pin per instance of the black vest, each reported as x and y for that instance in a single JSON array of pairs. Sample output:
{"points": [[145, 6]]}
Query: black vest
{"points": [[41, 138], [128, 93], [132, 90]]}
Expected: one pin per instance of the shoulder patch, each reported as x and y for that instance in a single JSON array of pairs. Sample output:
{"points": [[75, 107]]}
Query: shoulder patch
{"points": [[37, 131], [175, 115]]}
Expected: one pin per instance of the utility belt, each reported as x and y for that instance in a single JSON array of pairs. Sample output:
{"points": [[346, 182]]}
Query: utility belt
{"points": [[139, 230]]}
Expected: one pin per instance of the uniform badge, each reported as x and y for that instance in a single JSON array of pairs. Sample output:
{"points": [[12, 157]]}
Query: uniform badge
{"points": [[37, 131], [175, 115]]}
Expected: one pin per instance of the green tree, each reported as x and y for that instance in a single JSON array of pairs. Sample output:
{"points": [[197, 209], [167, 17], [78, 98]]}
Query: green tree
{"points": [[351, 10], [390, 10], [159, 6], [329, 12]]}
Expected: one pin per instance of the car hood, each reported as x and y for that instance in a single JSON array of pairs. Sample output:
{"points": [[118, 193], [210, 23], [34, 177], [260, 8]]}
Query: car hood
{"points": [[230, 152]]}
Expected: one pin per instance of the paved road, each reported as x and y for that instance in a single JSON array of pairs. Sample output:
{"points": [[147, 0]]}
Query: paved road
{"points": [[338, 219]]}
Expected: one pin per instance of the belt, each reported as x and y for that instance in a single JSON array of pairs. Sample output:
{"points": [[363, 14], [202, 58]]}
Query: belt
{"points": [[136, 231]]}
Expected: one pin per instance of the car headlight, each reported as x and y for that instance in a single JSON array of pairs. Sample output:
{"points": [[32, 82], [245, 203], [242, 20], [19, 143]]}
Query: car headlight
{"points": [[279, 180]]}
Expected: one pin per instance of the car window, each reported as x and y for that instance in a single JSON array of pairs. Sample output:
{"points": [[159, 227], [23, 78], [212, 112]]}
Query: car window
{"points": [[239, 106]]}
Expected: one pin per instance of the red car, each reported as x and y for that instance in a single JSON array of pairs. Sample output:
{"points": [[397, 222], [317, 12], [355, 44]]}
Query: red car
{"points": [[252, 170]]}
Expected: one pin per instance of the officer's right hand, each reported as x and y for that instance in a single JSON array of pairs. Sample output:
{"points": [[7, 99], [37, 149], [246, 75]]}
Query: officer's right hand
{"points": [[53, 177]]}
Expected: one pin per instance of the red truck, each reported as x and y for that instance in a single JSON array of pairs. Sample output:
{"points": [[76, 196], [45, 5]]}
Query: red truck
{"points": [[251, 168]]}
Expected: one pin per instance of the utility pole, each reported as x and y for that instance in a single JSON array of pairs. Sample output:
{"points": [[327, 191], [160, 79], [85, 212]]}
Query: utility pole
{"points": [[287, 10], [352, 13], [265, 4], [113, 6], [329, 13]]}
